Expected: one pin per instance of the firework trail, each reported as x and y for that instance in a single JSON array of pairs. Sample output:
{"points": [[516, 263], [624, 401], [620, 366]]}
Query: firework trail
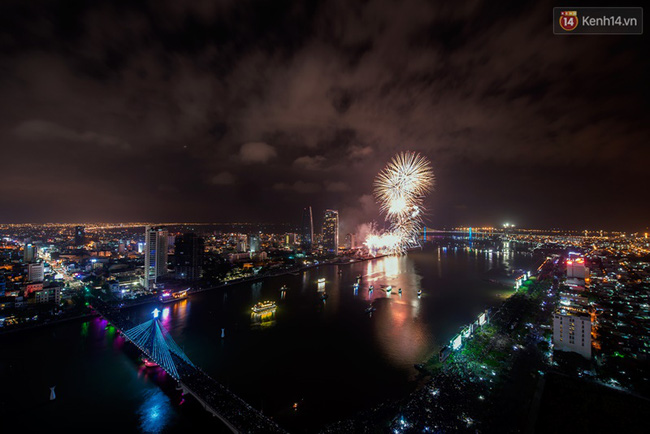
{"points": [[400, 189]]}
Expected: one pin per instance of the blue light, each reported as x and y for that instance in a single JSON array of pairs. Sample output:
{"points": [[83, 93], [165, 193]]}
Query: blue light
{"points": [[155, 412]]}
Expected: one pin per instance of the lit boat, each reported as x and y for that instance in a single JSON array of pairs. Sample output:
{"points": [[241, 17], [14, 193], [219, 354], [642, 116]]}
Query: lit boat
{"points": [[284, 288], [389, 289], [321, 280], [324, 296], [263, 306], [419, 292], [371, 288], [371, 309], [356, 285], [169, 296], [400, 291]]}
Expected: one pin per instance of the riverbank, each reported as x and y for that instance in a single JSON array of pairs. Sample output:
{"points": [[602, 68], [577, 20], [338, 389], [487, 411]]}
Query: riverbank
{"points": [[151, 299], [498, 367], [10, 330], [490, 370]]}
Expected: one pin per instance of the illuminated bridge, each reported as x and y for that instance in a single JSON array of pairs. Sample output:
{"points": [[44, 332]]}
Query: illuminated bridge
{"points": [[155, 342]]}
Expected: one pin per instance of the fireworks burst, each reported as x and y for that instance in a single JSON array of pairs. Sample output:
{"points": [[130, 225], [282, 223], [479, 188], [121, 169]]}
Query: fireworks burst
{"points": [[400, 189]]}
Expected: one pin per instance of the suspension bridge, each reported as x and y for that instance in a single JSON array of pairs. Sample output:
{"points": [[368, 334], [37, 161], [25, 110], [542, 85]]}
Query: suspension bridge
{"points": [[156, 344]]}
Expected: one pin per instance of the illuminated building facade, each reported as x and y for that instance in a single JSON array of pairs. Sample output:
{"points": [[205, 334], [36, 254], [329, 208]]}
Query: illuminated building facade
{"points": [[254, 243], [572, 332], [155, 254], [576, 268], [29, 254], [188, 256], [35, 272], [331, 231], [290, 239], [242, 244], [49, 294], [307, 229]]}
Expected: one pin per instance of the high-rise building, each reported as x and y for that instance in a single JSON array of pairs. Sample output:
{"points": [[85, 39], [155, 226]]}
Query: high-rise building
{"points": [[575, 267], [242, 244], [572, 332], [35, 272], [307, 229], [155, 254], [188, 256], [254, 243], [290, 240], [79, 236], [331, 231], [30, 252]]}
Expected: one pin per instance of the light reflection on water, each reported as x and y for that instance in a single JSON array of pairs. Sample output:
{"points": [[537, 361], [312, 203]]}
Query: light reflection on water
{"points": [[399, 331], [405, 329], [155, 412], [263, 319]]}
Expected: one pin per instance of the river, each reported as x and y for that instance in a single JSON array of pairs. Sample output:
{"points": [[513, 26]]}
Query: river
{"points": [[329, 357]]}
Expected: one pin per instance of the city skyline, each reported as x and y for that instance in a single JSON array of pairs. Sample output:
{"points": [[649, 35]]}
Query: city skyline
{"points": [[285, 109]]}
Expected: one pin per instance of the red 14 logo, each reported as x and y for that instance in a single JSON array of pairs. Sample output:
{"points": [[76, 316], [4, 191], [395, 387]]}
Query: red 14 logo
{"points": [[569, 20]]}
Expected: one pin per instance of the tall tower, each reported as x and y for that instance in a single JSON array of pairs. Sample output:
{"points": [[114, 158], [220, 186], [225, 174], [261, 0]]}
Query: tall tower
{"points": [[254, 243], [307, 229], [155, 254], [331, 231]]}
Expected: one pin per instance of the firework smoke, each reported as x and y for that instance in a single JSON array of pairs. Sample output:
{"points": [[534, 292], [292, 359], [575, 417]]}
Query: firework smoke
{"points": [[400, 189]]}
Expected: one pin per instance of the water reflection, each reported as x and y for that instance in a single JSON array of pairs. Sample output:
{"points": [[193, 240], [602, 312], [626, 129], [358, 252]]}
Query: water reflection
{"points": [[391, 266], [181, 313], [84, 329], [263, 319], [256, 290], [155, 412], [400, 335]]}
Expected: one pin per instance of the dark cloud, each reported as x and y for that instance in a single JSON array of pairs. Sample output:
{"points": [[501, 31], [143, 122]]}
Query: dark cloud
{"points": [[256, 152], [310, 163], [37, 130], [161, 105], [223, 178]]}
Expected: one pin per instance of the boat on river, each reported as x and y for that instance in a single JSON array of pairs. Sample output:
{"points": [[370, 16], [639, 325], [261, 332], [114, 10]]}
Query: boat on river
{"points": [[263, 306]]}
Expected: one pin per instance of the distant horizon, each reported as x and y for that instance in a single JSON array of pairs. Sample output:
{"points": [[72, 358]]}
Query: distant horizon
{"points": [[249, 223]]}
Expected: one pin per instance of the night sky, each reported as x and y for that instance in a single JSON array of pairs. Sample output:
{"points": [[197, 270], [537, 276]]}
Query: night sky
{"points": [[249, 110]]}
